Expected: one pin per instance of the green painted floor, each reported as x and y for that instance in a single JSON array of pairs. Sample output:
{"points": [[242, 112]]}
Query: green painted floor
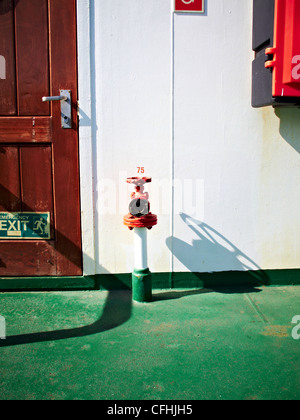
{"points": [[185, 345]]}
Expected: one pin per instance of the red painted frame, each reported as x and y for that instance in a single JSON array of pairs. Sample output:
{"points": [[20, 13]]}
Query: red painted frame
{"points": [[286, 49]]}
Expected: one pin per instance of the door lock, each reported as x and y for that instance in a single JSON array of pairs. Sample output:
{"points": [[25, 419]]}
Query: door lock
{"points": [[65, 106]]}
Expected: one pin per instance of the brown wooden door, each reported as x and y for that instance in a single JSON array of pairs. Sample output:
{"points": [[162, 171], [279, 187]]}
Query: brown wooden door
{"points": [[38, 158]]}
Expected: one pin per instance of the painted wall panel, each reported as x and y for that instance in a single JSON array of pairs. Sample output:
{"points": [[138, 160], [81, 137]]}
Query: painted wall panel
{"points": [[133, 108], [246, 164], [87, 131], [172, 93]]}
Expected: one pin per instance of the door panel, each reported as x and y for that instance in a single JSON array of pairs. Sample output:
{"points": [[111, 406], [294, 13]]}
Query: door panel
{"points": [[32, 56], [36, 181], [39, 159], [9, 166], [8, 105]]}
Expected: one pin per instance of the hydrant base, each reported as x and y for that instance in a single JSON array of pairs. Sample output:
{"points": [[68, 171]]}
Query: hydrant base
{"points": [[141, 285]]}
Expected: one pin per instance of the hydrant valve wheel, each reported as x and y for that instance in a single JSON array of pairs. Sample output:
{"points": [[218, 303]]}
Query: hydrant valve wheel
{"points": [[139, 215]]}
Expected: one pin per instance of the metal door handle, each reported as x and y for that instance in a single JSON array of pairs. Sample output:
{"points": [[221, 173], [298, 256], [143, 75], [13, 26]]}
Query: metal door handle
{"points": [[65, 106], [54, 98]]}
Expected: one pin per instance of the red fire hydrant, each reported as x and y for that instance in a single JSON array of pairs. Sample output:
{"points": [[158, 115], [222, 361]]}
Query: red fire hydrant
{"points": [[141, 220]]}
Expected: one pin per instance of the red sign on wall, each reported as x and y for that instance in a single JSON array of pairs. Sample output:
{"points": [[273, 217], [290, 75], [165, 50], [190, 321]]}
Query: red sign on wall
{"points": [[192, 6]]}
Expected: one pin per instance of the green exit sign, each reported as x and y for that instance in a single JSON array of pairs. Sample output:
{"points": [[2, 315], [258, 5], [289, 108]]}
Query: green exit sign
{"points": [[24, 225]]}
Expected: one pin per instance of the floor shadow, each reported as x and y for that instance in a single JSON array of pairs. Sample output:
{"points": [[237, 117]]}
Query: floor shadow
{"points": [[177, 294], [221, 260], [116, 311]]}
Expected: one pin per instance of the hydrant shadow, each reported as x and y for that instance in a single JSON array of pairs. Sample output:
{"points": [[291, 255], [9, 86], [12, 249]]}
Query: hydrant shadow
{"points": [[214, 260]]}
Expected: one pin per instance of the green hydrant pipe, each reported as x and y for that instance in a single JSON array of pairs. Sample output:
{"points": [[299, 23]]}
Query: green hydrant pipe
{"points": [[141, 276]]}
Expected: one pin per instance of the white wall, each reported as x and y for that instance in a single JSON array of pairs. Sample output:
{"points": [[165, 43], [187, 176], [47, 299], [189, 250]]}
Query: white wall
{"points": [[172, 93]]}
